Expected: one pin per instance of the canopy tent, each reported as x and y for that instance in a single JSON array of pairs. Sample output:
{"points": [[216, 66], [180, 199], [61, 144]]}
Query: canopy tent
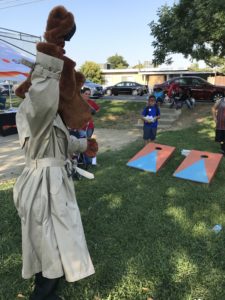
{"points": [[11, 67]]}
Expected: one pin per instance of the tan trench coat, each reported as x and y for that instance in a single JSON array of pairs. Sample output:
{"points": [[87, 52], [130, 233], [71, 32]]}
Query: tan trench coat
{"points": [[53, 240]]}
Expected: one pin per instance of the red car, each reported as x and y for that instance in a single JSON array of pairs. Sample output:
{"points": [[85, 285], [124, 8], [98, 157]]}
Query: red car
{"points": [[200, 88]]}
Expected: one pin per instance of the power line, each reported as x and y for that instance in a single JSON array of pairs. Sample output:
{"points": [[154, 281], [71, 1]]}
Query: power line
{"points": [[21, 4], [9, 2]]}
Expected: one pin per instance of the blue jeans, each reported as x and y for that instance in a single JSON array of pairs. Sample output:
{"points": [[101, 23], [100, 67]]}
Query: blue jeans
{"points": [[86, 133]]}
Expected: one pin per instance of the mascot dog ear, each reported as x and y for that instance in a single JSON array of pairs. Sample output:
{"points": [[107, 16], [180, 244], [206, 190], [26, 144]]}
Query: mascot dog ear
{"points": [[74, 111]]}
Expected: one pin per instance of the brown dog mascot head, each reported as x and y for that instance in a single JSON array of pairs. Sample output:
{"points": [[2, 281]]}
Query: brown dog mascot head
{"points": [[72, 108]]}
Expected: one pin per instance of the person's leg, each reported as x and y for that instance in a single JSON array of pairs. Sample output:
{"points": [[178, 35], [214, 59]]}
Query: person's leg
{"points": [[222, 145], [146, 134], [220, 138], [188, 103], [90, 132], [88, 160], [153, 134], [192, 100], [172, 102], [179, 103], [44, 288]]}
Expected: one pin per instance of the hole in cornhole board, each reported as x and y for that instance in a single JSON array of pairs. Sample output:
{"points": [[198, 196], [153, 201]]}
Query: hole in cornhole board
{"points": [[204, 156]]}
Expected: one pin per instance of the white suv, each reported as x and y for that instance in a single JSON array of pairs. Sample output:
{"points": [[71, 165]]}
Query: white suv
{"points": [[96, 89]]}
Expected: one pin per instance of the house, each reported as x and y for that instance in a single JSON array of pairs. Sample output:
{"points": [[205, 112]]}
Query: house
{"points": [[150, 76]]}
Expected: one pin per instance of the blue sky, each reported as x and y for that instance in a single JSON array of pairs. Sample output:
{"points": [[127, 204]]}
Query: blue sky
{"points": [[104, 27]]}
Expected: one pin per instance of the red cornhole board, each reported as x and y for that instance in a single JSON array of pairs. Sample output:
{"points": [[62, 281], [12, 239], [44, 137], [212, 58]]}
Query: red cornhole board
{"points": [[199, 166], [151, 158]]}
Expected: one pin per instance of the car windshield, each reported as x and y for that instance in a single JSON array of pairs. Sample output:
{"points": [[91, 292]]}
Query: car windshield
{"points": [[187, 81]]}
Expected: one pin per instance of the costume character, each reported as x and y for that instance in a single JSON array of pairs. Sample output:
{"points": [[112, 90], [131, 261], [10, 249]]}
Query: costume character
{"points": [[53, 241]]}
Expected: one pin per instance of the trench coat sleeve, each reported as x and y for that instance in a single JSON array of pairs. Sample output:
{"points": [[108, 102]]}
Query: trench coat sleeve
{"points": [[77, 145], [43, 95]]}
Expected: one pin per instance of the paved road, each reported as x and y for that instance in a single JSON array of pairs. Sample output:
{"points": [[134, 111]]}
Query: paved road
{"points": [[139, 98], [126, 98], [11, 157]]}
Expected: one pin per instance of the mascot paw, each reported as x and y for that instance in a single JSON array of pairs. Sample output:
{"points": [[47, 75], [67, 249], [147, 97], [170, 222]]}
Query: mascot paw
{"points": [[50, 49], [60, 26], [92, 147]]}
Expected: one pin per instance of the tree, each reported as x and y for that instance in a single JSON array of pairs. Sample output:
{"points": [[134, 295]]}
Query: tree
{"points": [[195, 67], [194, 28], [92, 71], [117, 62], [217, 63], [138, 66]]}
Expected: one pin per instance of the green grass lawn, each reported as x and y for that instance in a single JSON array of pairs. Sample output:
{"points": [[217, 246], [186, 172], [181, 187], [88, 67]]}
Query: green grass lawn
{"points": [[149, 235], [15, 101], [118, 114]]}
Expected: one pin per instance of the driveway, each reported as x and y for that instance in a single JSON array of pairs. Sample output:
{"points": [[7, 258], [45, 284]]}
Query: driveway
{"points": [[12, 159]]}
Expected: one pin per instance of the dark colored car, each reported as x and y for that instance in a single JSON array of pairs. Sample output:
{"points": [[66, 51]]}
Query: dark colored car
{"points": [[5, 89], [200, 88], [127, 87]]}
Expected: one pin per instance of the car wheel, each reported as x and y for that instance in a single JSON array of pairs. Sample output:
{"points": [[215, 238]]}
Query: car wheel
{"points": [[108, 92], [217, 96], [134, 92]]}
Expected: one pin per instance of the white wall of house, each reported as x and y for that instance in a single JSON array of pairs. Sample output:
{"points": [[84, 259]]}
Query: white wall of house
{"points": [[149, 76], [112, 77]]}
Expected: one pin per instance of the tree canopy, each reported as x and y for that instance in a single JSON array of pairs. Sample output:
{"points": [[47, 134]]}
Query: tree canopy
{"points": [[92, 71], [117, 62], [138, 66], [194, 28]]}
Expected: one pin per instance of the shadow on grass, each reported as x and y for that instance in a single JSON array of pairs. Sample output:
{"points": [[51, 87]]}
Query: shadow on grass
{"points": [[149, 235]]}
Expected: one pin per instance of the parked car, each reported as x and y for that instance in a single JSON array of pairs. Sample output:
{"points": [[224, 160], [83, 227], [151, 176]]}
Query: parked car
{"points": [[96, 89], [127, 87], [200, 88]]}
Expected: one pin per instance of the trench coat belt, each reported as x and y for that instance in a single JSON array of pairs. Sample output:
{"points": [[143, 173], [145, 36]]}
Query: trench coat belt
{"points": [[45, 162], [54, 162]]}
